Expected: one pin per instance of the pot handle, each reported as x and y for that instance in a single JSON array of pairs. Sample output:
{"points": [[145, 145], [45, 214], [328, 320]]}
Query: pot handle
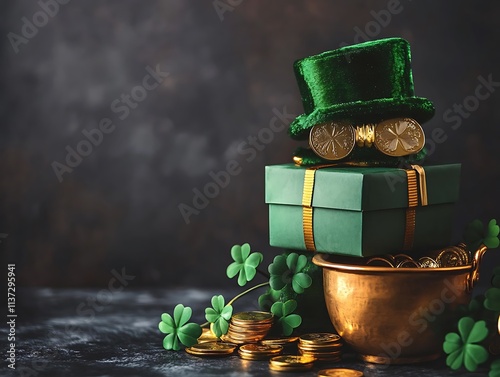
{"points": [[473, 276]]}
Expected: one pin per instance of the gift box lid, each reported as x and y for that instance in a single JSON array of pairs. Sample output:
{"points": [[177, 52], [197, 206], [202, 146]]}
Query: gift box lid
{"points": [[359, 188]]}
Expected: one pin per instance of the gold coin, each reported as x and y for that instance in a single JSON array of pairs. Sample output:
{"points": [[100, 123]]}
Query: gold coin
{"points": [[208, 354], [340, 372], [380, 262], [320, 347], [234, 335], [212, 347], [250, 329], [317, 338], [280, 341], [253, 357], [244, 318], [320, 354], [398, 258], [427, 262], [280, 368], [452, 257], [207, 336], [239, 341], [332, 141], [408, 264], [399, 137], [291, 361], [260, 349]]}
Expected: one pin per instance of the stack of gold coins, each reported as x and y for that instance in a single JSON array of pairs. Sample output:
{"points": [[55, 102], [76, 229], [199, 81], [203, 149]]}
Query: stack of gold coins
{"points": [[291, 363], [321, 346], [213, 349], [284, 341], [248, 327], [258, 351]]}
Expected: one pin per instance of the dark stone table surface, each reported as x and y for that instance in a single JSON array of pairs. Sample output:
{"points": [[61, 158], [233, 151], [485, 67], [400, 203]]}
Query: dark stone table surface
{"points": [[69, 332]]}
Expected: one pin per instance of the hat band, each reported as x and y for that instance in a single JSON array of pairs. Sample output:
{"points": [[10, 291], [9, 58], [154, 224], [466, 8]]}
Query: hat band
{"points": [[393, 137]]}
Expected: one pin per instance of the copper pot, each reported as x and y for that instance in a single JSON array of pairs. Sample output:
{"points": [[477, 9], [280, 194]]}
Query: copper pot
{"points": [[395, 315]]}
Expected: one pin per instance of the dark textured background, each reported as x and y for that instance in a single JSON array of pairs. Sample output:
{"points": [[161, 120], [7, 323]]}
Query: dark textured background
{"points": [[119, 206]]}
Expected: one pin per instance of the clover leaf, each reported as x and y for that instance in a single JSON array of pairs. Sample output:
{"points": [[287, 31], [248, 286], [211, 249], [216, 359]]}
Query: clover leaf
{"points": [[283, 311], [461, 348], [218, 316], [177, 328], [495, 369], [476, 234], [267, 299], [288, 270], [245, 263]]}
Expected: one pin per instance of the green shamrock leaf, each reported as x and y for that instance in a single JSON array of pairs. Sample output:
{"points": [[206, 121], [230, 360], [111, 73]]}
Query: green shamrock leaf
{"points": [[492, 301], [287, 270], [495, 369], [218, 316], [177, 328], [267, 299], [475, 234], [461, 348], [245, 263], [283, 311]]}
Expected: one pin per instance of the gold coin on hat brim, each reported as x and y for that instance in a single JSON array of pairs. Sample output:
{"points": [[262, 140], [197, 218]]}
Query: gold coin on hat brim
{"points": [[319, 338], [254, 317], [340, 372], [332, 141], [260, 349], [280, 341], [399, 137], [291, 361]]}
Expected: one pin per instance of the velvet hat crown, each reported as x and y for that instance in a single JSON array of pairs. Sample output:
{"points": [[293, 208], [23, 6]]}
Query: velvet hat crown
{"points": [[363, 83]]}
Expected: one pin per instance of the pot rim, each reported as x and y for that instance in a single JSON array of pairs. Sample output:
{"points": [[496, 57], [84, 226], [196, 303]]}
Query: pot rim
{"points": [[320, 259]]}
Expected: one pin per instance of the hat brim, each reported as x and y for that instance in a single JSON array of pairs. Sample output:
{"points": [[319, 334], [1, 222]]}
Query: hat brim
{"points": [[363, 112]]}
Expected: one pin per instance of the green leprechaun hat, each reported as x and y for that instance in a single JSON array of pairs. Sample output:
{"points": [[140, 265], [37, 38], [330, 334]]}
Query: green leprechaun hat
{"points": [[363, 83]]}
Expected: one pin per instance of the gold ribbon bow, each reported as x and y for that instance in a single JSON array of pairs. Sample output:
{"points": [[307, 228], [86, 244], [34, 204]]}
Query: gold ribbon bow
{"points": [[393, 137], [414, 188]]}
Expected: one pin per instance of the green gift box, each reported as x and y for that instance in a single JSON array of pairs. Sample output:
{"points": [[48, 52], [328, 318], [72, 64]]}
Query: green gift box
{"points": [[360, 211]]}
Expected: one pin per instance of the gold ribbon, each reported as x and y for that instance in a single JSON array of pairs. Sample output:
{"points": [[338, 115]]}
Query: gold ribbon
{"points": [[413, 191], [307, 209]]}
